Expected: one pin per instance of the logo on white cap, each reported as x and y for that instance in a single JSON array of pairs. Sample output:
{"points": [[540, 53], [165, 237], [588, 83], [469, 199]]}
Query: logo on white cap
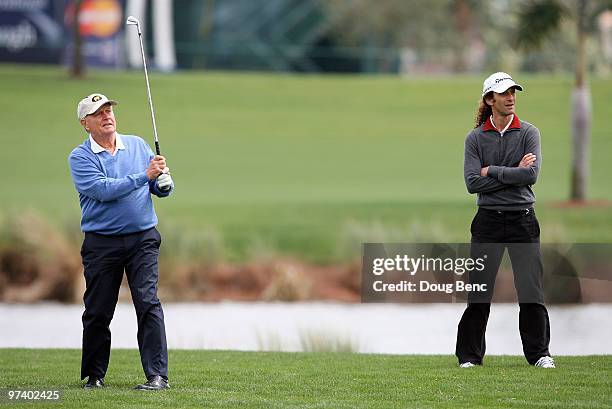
{"points": [[499, 82], [91, 104]]}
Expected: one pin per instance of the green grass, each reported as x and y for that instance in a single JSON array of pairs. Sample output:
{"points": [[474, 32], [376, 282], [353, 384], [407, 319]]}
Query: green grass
{"points": [[224, 379], [296, 162]]}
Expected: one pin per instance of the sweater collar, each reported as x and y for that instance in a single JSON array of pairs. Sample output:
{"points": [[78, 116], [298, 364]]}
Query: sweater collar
{"points": [[488, 125], [96, 148]]}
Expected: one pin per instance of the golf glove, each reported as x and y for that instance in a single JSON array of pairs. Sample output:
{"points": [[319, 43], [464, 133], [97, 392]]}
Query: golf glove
{"points": [[164, 181]]}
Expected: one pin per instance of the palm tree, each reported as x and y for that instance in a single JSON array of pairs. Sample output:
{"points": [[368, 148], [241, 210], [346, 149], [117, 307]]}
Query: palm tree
{"points": [[538, 20]]}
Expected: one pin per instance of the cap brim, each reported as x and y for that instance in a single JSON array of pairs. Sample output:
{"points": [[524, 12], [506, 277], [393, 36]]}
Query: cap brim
{"points": [[501, 88], [97, 106]]}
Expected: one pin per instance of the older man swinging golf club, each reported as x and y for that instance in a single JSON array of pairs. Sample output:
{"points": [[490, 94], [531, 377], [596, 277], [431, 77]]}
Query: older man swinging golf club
{"points": [[115, 176]]}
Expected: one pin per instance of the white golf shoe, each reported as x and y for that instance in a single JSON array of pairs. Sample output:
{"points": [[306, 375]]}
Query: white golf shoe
{"points": [[545, 362], [466, 365]]}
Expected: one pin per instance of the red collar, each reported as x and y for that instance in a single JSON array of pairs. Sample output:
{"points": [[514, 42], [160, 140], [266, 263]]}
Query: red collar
{"points": [[488, 125]]}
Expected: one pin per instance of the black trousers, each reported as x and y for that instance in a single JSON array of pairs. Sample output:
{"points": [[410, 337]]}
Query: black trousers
{"points": [[105, 258], [492, 232]]}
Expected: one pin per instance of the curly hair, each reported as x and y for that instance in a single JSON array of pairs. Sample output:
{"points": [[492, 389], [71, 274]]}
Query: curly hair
{"points": [[483, 112]]}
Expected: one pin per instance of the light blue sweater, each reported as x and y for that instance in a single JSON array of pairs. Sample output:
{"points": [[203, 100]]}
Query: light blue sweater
{"points": [[114, 191]]}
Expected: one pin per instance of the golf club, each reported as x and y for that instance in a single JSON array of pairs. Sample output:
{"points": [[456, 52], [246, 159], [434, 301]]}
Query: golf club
{"points": [[133, 21]]}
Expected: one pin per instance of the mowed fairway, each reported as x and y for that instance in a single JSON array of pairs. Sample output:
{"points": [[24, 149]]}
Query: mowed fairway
{"points": [[303, 165], [224, 379]]}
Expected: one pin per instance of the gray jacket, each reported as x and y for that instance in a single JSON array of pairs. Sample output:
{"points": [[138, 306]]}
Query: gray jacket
{"points": [[507, 187]]}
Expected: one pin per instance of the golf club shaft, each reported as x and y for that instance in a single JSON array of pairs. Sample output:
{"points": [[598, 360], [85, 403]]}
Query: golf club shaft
{"points": [[144, 64]]}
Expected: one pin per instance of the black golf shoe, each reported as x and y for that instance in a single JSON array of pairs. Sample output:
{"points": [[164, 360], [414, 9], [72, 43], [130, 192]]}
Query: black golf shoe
{"points": [[154, 383], [94, 383]]}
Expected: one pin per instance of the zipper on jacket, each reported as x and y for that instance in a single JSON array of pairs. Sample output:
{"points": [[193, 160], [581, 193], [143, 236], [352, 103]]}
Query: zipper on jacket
{"points": [[501, 148]]}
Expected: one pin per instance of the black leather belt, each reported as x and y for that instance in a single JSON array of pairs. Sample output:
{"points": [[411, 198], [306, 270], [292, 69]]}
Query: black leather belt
{"points": [[525, 211]]}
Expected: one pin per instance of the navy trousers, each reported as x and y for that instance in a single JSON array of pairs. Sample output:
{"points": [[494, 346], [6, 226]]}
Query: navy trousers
{"points": [[492, 232], [105, 258]]}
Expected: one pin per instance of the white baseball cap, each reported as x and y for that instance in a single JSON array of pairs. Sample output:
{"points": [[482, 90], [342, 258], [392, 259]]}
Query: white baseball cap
{"points": [[91, 104], [499, 82]]}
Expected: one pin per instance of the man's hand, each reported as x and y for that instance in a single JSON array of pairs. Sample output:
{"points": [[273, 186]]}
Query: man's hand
{"points": [[164, 181], [484, 171], [527, 160], [156, 167]]}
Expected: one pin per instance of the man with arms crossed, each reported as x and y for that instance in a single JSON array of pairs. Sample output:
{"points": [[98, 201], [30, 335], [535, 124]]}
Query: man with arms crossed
{"points": [[502, 162], [115, 176]]}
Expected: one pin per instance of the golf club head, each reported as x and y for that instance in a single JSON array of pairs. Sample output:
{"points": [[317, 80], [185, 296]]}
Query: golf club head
{"points": [[133, 21]]}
